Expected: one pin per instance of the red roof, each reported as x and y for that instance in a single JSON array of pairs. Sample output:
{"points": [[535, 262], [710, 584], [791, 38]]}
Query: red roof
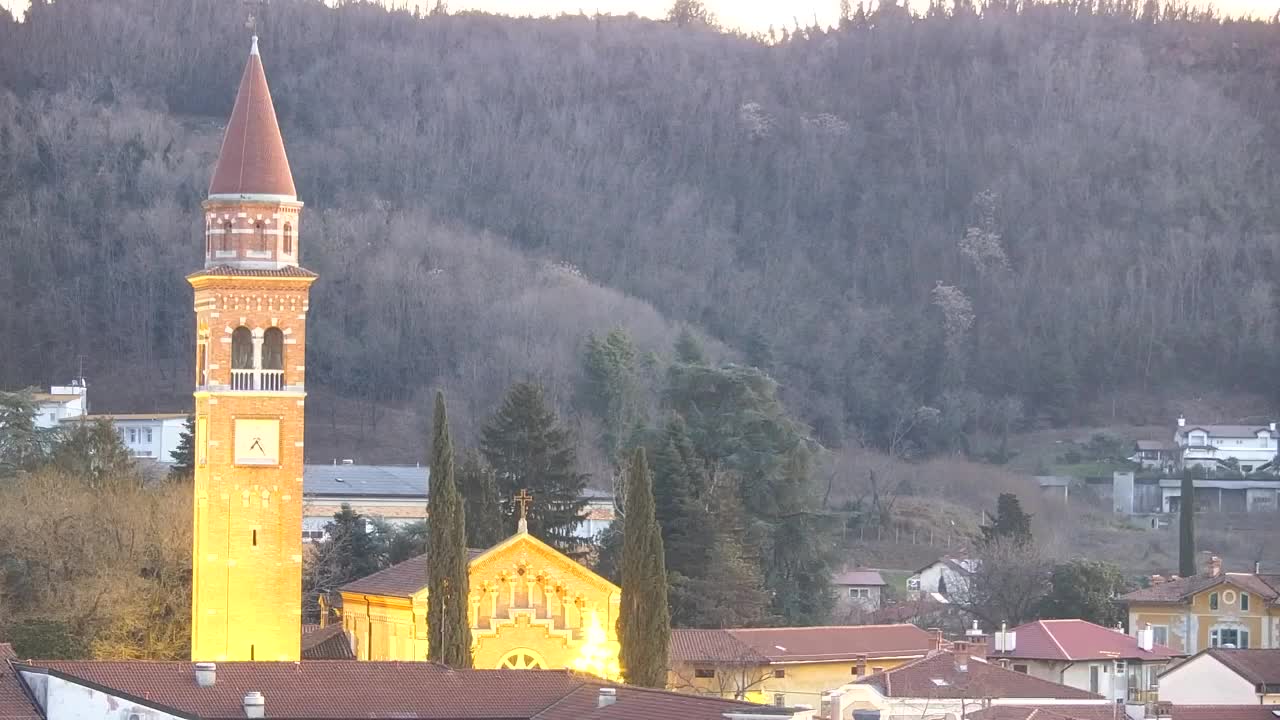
{"points": [[858, 577], [1258, 666], [798, 644], [938, 676], [1175, 591], [400, 580], [14, 703], [1225, 712], [1104, 711], [376, 690], [252, 159], [1069, 640], [328, 643]]}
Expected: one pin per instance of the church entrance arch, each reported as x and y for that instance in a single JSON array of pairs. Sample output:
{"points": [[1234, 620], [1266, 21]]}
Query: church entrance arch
{"points": [[522, 659]]}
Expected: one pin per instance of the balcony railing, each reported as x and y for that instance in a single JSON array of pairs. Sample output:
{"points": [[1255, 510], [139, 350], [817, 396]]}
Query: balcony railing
{"points": [[250, 379]]}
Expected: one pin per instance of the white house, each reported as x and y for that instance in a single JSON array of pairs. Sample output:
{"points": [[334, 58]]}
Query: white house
{"points": [[148, 436], [1122, 668], [61, 402], [1218, 447], [1221, 676], [944, 578]]}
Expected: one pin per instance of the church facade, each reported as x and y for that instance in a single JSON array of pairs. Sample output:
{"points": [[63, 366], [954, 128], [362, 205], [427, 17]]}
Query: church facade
{"points": [[530, 607], [251, 301]]}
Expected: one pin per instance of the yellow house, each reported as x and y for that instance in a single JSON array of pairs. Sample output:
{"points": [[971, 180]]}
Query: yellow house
{"points": [[1210, 610], [531, 607], [790, 665]]}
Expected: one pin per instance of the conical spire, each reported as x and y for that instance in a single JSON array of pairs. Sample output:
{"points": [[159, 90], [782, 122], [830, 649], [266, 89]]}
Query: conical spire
{"points": [[252, 161]]}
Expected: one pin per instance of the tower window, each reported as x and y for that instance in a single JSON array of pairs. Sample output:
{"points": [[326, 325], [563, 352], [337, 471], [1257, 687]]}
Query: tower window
{"points": [[226, 236], [208, 237], [259, 236], [272, 359], [255, 538], [242, 359], [288, 239]]}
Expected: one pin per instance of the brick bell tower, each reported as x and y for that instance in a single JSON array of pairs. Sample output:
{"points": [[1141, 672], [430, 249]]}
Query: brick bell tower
{"points": [[251, 311]]}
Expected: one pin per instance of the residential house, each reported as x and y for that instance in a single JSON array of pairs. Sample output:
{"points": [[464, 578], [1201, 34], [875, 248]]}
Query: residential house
{"points": [[14, 703], [313, 690], [1222, 676], [1212, 609], [397, 494], [1120, 667], [148, 436], [1156, 454], [61, 402], [1117, 712], [944, 579], [858, 590], [953, 683], [788, 665], [1243, 448]]}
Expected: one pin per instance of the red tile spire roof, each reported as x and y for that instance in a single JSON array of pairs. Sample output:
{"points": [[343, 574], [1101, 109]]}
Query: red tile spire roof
{"points": [[252, 160]]}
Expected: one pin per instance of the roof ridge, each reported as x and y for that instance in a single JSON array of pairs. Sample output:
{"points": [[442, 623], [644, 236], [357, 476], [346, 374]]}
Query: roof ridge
{"points": [[822, 627]]}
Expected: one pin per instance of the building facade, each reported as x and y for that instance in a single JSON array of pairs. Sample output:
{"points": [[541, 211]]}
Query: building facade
{"points": [[1221, 676], [251, 301], [148, 436]]}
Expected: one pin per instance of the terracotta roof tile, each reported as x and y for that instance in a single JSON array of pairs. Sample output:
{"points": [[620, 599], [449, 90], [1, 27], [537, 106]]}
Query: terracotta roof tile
{"points": [[798, 644], [292, 271], [377, 690], [400, 580], [329, 643], [252, 158], [14, 703], [1103, 711], [1079, 640], [1260, 667], [937, 676], [1177, 590]]}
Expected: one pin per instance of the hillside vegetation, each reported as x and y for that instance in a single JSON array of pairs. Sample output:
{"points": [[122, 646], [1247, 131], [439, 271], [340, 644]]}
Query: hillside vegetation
{"points": [[976, 221]]}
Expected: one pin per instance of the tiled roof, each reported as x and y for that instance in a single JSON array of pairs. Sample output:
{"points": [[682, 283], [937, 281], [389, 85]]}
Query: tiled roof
{"points": [[1260, 667], [858, 577], [798, 644], [1103, 711], [1174, 591], [1079, 640], [407, 481], [126, 416], [400, 580], [252, 158], [1155, 445], [329, 643], [937, 676], [14, 703], [1226, 712], [288, 271], [377, 690], [1226, 431]]}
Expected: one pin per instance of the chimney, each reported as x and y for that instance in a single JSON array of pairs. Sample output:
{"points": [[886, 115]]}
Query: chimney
{"points": [[1272, 426], [860, 668], [935, 639], [1257, 567], [1182, 421], [608, 696], [960, 651], [1215, 566], [1146, 637], [255, 705], [206, 674]]}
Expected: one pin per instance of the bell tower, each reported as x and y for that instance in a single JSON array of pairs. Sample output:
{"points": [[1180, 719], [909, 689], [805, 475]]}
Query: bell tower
{"points": [[251, 312]]}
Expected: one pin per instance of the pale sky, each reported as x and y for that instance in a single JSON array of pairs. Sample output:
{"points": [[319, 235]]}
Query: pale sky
{"points": [[750, 15]]}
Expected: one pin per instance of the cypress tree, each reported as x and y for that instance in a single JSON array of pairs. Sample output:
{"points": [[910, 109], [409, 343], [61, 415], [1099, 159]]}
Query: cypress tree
{"points": [[644, 625], [448, 581], [479, 488], [529, 450], [1187, 527]]}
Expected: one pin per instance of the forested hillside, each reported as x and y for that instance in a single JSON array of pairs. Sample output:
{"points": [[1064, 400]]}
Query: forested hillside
{"points": [[923, 227]]}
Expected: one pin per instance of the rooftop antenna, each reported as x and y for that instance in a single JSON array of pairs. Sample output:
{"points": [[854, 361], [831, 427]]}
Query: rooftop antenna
{"points": [[254, 11]]}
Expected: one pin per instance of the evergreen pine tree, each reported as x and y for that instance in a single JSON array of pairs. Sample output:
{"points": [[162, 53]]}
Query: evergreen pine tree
{"points": [[23, 445], [479, 488], [644, 625], [681, 507], [184, 457], [349, 547], [94, 452], [1187, 527], [1010, 521], [448, 574], [528, 450]]}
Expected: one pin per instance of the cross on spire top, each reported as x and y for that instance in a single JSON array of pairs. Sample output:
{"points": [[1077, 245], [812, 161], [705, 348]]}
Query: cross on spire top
{"points": [[523, 498]]}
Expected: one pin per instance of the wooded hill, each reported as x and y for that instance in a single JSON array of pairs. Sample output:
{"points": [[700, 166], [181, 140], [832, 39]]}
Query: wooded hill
{"points": [[979, 219]]}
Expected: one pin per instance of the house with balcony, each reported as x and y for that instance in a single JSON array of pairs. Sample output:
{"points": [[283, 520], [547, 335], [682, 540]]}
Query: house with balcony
{"points": [[1122, 668], [1230, 448], [1209, 610]]}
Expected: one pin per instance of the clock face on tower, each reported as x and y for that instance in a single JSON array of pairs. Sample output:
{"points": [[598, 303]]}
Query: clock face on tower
{"points": [[257, 441]]}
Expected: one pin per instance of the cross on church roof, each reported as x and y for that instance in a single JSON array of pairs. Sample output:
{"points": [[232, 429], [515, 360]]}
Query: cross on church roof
{"points": [[523, 498]]}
